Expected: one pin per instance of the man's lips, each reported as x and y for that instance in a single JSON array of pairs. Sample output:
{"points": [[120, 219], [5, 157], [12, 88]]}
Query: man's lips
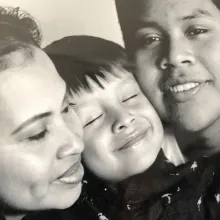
{"points": [[182, 84], [186, 92], [133, 139]]}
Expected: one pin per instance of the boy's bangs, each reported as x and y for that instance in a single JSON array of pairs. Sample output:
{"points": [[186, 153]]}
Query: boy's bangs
{"points": [[83, 76], [91, 80]]}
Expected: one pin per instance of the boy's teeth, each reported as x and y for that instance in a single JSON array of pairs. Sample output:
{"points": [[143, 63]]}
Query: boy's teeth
{"points": [[183, 87]]}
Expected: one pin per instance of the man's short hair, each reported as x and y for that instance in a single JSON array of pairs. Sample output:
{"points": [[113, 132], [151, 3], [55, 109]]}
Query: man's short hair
{"points": [[16, 24]]}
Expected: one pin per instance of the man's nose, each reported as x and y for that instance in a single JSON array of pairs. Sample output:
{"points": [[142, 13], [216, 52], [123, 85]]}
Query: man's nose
{"points": [[177, 53]]}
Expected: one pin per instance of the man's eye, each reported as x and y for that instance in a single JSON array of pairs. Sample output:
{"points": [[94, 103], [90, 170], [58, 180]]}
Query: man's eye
{"points": [[68, 107], [196, 31], [151, 40], [93, 120], [38, 136], [130, 97]]}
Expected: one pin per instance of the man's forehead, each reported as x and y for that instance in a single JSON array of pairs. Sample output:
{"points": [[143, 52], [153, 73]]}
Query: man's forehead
{"points": [[150, 7], [157, 12]]}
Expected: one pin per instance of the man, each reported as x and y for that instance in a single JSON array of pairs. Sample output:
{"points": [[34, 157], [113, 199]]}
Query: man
{"points": [[176, 48]]}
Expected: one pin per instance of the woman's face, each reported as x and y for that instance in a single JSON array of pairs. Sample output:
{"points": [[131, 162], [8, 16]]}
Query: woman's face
{"points": [[122, 132], [40, 139]]}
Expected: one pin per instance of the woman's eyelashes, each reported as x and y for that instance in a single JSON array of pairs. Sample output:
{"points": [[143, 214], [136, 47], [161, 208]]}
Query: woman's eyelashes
{"points": [[93, 120], [38, 136]]}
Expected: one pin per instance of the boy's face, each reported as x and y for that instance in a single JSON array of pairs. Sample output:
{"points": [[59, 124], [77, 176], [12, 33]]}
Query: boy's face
{"points": [[178, 60], [122, 132], [40, 138]]}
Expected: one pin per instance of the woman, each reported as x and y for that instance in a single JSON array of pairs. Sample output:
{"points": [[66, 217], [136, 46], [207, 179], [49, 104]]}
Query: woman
{"points": [[41, 136]]}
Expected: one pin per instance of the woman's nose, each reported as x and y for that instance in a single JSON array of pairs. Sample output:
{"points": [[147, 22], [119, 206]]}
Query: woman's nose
{"points": [[70, 143]]}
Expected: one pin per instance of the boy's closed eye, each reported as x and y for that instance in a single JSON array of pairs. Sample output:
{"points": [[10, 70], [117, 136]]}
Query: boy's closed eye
{"points": [[130, 98]]}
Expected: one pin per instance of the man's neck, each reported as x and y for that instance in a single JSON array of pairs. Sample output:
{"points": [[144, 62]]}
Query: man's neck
{"points": [[202, 143]]}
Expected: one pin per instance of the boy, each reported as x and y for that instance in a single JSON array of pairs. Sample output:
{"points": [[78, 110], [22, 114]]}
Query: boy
{"points": [[122, 133]]}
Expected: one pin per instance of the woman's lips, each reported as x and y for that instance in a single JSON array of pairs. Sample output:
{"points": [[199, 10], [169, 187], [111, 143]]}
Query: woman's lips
{"points": [[73, 175], [134, 139]]}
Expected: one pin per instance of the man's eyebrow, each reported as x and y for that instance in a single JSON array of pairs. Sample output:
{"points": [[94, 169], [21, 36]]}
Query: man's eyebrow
{"points": [[30, 121], [147, 24], [196, 14]]}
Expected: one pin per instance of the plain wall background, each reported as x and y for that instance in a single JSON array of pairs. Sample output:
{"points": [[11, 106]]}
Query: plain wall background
{"points": [[59, 18]]}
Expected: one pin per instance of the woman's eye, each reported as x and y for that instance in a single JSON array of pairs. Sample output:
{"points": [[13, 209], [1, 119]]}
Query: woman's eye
{"points": [[93, 120], [196, 31], [38, 136], [68, 107], [130, 97]]}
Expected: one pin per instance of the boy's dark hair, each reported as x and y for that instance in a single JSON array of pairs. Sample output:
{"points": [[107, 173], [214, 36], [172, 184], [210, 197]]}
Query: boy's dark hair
{"points": [[16, 24], [92, 61], [77, 72]]}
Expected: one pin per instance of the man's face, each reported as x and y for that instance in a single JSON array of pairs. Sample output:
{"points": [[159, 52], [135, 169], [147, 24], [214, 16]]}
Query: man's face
{"points": [[41, 139], [122, 132], [178, 60]]}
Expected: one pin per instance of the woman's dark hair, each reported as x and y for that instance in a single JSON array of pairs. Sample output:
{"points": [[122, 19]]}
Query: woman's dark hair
{"points": [[16, 24]]}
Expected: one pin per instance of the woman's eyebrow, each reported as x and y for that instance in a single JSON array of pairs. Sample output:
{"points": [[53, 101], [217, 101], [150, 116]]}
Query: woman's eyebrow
{"points": [[30, 121]]}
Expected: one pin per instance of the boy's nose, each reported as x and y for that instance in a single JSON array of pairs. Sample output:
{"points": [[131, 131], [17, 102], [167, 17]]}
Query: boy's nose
{"points": [[122, 121], [70, 143]]}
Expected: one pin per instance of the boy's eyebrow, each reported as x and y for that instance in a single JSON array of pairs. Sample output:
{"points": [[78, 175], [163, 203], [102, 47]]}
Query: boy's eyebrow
{"points": [[196, 14], [30, 121]]}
